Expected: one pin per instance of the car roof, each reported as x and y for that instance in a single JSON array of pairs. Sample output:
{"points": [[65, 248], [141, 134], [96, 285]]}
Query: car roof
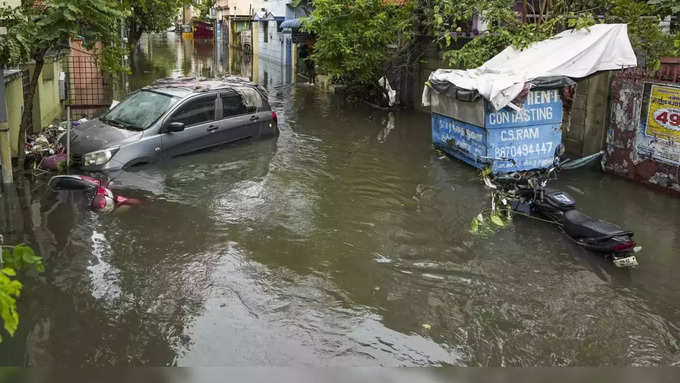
{"points": [[184, 86]]}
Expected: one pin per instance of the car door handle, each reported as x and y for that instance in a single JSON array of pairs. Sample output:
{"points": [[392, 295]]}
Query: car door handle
{"points": [[254, 118], [212, 128]]}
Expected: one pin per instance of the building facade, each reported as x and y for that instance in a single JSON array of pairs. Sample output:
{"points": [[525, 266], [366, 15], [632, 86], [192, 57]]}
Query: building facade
{"points": [[273, 42]]}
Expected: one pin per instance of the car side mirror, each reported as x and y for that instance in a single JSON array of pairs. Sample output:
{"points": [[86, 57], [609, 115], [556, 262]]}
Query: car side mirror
{"points": [[175, 127]]}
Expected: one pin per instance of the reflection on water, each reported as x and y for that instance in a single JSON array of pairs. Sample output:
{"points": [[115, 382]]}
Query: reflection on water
{"points": [[343, 242], [167, 55]]}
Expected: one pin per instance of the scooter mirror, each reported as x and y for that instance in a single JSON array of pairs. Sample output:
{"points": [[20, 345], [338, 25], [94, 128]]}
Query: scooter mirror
{"points": [[70, 182]]}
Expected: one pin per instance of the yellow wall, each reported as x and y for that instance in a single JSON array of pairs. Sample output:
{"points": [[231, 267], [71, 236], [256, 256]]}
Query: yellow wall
{"points": [[15, 101], [47, 103]]}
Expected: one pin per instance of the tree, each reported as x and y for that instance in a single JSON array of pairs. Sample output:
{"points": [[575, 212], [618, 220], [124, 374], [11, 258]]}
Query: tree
{"points": [[151, 16], [13, 259], [48, 24], [551, 16], [306, 5], [204, 8], [15, 47], [353, 37]]}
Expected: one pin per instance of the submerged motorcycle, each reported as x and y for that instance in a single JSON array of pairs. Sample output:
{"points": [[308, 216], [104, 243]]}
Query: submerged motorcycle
{"points": [[527, 193], [101, 198]]}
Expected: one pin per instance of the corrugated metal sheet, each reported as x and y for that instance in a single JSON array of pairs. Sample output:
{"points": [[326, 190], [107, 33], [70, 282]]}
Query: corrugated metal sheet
{"points": [[471, 112], [291, 23]]}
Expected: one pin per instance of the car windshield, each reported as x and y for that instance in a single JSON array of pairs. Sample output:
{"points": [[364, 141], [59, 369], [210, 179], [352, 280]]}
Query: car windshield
{"points": [[140, 110]]}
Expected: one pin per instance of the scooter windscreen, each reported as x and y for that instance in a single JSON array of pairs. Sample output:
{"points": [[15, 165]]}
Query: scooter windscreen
{"points": [[73, 182]]}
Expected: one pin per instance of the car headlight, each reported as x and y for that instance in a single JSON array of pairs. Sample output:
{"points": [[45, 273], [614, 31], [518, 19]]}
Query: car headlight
{"points": [[99, 157]]}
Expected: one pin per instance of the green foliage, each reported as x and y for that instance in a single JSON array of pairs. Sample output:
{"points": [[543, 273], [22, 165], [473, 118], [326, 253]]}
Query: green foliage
{"points": [[666, 7], [19, 256], [15, 47], [476, 52], [14, 258], [10, 290], [151, 15], [90, 20], [643, 29], [353, 36], [306, 5], [204, 8], [506, 28], [36, 29], [487, 225]]}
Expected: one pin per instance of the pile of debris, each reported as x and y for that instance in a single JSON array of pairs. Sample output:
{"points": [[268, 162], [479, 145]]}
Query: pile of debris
{"points": [[46, 150]]}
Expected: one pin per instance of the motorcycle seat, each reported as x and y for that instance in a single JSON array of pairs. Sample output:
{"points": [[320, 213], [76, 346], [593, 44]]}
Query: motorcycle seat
{"points": [[579, 225]]}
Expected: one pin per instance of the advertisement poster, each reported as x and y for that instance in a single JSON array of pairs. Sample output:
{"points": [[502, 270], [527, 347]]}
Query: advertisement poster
{"points": [[660, 122], [663, 115]]}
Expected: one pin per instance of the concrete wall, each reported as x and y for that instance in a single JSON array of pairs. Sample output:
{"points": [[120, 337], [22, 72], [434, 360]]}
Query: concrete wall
{"points": [[275, 7], [430, 62], [626, 137], [241, 7], [48, 107], [270, 73], [584, 125], [271, 50], [15, 104]]}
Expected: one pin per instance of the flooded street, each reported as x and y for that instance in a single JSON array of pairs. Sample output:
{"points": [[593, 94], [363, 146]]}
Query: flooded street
{"points": [[343, 242]]}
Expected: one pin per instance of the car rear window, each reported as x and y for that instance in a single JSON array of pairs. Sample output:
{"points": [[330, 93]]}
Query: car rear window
{"points": [[232, 104], [251, 99], [196, 111]]}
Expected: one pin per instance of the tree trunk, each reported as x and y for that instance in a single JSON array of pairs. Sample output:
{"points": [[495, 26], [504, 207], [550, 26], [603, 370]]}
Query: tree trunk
{"points": [[134, 33], [27, 117], [133, 39]]}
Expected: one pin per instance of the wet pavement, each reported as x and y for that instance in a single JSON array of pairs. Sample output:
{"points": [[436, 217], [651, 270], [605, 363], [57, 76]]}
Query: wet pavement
{"points": [[344, 242]]}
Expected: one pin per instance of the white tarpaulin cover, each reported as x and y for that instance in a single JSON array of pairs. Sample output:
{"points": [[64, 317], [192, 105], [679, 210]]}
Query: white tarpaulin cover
{"points": [[571, 53]]}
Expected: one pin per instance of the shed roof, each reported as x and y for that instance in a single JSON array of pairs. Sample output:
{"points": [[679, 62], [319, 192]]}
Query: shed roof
{"points": [[291, 23]]}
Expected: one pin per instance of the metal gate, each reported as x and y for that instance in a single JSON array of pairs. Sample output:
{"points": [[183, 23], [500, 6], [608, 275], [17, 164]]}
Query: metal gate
{"points": [[88, 89]]}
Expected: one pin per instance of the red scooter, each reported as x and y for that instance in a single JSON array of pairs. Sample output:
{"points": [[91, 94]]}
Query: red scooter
{"points": [[101, 197]]}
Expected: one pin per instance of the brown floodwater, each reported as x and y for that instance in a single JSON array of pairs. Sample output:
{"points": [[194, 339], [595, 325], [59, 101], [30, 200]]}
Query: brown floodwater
{"points": [[343, 242]]}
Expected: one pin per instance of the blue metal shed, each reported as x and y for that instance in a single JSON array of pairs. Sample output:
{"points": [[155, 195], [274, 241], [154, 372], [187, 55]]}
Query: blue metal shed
{"points": [[474, 132]]}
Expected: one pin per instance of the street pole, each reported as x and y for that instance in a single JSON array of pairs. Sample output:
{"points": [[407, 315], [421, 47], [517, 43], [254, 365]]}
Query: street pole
{"points": [[215, 53], [123, 41], [5, 148], [122, 59], [68, 137]]}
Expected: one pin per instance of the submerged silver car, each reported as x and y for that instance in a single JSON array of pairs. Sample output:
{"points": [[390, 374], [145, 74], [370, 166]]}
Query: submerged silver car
{"points": [[170, 118]]}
